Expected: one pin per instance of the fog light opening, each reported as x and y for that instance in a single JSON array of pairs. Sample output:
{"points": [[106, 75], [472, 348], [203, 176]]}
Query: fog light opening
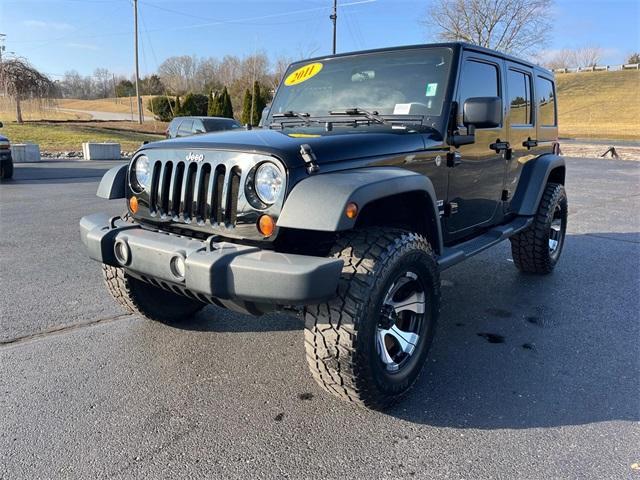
{"points": [[122, 252], [178, 267]]}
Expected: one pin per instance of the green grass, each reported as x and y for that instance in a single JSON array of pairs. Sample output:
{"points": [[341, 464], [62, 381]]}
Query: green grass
{"points": [[69, 136], [599, 104]]}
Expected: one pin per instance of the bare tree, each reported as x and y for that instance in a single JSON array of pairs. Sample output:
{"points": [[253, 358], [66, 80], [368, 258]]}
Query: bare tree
{"points": [[178, 73], [588, 56], [512, 26], [74, 85], [206, 75], [21, 81], [229, 69], [279, 68], [556, 59], [103, 81]]}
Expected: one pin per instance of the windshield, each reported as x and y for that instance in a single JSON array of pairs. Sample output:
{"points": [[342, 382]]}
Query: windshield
{"points": [[399, 82]]}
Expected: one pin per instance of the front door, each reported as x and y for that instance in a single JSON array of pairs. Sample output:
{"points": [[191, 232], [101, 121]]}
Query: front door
{"points": [[476, 183]]}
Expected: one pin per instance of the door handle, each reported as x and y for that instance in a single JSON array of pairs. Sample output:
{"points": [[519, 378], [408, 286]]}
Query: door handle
{"points": [[499, 146], [529, 143], [453, 159]]}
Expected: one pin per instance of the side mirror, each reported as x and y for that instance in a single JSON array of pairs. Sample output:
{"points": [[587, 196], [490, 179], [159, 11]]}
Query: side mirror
{"points": [[482, 112]]}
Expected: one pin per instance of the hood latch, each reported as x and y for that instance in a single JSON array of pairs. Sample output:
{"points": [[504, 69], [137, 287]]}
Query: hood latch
{"points": [[309, 158]]}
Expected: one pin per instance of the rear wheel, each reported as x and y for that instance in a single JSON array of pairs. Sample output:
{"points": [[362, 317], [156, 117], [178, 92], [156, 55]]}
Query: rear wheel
{"points": [[368, 345], [141, 298], [538, 248]]}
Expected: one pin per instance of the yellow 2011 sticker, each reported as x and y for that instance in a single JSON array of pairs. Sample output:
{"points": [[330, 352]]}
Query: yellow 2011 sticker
{"points": [[303, 74]]}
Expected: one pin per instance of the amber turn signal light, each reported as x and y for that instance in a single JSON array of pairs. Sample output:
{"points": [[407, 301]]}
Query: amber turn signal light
{"points": [[133, 204], [351, 211], [266, 225]]}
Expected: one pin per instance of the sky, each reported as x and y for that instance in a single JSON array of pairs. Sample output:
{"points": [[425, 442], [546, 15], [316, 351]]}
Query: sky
{"points": [[61, 35]]}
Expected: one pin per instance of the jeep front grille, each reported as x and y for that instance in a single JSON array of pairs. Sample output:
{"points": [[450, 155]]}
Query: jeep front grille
{"points": [[189, 192]]}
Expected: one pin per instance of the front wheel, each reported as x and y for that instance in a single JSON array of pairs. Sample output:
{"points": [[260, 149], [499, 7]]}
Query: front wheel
{"points": [[537, 249], [144, 299], [368, 345]]}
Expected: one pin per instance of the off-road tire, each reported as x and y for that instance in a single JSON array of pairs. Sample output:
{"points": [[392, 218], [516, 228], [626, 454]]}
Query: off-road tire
{"points": [[530, 248], [339, 343], [6, 171], [141, 298]]}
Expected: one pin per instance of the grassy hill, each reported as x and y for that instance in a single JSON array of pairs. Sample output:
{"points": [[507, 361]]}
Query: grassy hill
{"points": [[599, 104]]}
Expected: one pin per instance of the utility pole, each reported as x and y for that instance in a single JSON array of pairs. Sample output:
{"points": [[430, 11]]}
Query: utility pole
{"points": [[334, 17], [135, 29]]}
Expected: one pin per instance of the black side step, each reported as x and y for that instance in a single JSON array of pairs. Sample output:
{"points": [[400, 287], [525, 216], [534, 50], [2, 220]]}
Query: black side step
{"points": [[456, 254]]}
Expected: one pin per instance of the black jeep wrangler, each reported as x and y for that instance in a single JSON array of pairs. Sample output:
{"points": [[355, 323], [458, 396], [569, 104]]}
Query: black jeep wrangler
{"points": [[374, 172]]}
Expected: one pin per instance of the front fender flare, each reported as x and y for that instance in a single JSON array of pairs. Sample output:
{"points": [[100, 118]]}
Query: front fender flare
{"points": [[113, 183], [318, 202]]}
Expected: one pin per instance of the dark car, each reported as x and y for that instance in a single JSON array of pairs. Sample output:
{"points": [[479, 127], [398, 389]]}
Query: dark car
{"points": [[187, 126], [375, 172], [6, 162]]}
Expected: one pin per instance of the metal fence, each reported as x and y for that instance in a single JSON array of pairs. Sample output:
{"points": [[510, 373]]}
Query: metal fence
{"points": [[599, 68]]}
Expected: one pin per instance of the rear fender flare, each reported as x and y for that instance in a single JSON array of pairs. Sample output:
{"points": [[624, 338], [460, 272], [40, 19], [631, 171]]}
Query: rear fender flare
{"points": [[533, 179]]}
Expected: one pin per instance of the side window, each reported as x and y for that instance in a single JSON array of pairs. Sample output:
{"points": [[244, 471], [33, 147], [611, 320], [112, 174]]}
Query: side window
{"points": [[519, 85], [546, 95], [478, 79], [185, 128], [173, 127], [197, 127]]}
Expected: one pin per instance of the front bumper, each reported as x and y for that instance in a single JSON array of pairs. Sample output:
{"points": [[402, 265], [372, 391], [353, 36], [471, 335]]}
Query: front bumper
{"points": [[218, 270]]}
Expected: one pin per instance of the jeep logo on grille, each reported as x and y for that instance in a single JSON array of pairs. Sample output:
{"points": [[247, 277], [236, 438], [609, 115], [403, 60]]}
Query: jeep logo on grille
{"points": [[194, 157]]}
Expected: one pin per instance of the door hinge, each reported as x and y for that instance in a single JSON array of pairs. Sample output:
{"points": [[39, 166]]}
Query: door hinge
{"points": [[450, 208]]}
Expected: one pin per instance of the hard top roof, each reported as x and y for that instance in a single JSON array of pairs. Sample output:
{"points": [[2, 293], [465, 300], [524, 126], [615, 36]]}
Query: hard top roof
{"points": [[452, 45]]}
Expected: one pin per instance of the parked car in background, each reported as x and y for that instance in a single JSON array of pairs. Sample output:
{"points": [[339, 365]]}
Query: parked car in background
{"points": [[187, 126], [6, 162]]}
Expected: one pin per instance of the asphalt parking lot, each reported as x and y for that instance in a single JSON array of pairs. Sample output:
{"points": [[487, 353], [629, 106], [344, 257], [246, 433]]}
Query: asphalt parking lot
{"points": [[87, 391]]}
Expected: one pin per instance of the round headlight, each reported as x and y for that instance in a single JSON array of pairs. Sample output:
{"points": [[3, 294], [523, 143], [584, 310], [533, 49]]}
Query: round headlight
{"points": [[268, 182], [142, 172]]}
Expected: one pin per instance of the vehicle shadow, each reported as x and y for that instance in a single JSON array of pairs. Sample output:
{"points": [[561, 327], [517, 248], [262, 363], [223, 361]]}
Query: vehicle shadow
{"points": [[515, 350], [216, 319], [524, 351]]}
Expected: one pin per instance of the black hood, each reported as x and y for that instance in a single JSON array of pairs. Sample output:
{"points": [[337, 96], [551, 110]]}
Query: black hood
{"points": [[343, 143]]}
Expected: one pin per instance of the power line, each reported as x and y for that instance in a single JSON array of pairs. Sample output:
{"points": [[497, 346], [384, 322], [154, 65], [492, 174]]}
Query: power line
{"points": [[246, 20]]}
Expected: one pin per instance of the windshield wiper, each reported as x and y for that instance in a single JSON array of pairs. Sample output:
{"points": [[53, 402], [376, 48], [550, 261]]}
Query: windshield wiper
{"points": [[304, 116], [358, 112]]}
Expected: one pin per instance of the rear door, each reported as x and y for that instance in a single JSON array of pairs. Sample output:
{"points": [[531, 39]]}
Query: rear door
{"points": [[475, 184], [520, 120], [546, 110]]}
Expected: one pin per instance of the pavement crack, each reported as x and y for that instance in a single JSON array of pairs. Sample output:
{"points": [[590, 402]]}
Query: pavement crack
{"points": [[60, 329]]}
